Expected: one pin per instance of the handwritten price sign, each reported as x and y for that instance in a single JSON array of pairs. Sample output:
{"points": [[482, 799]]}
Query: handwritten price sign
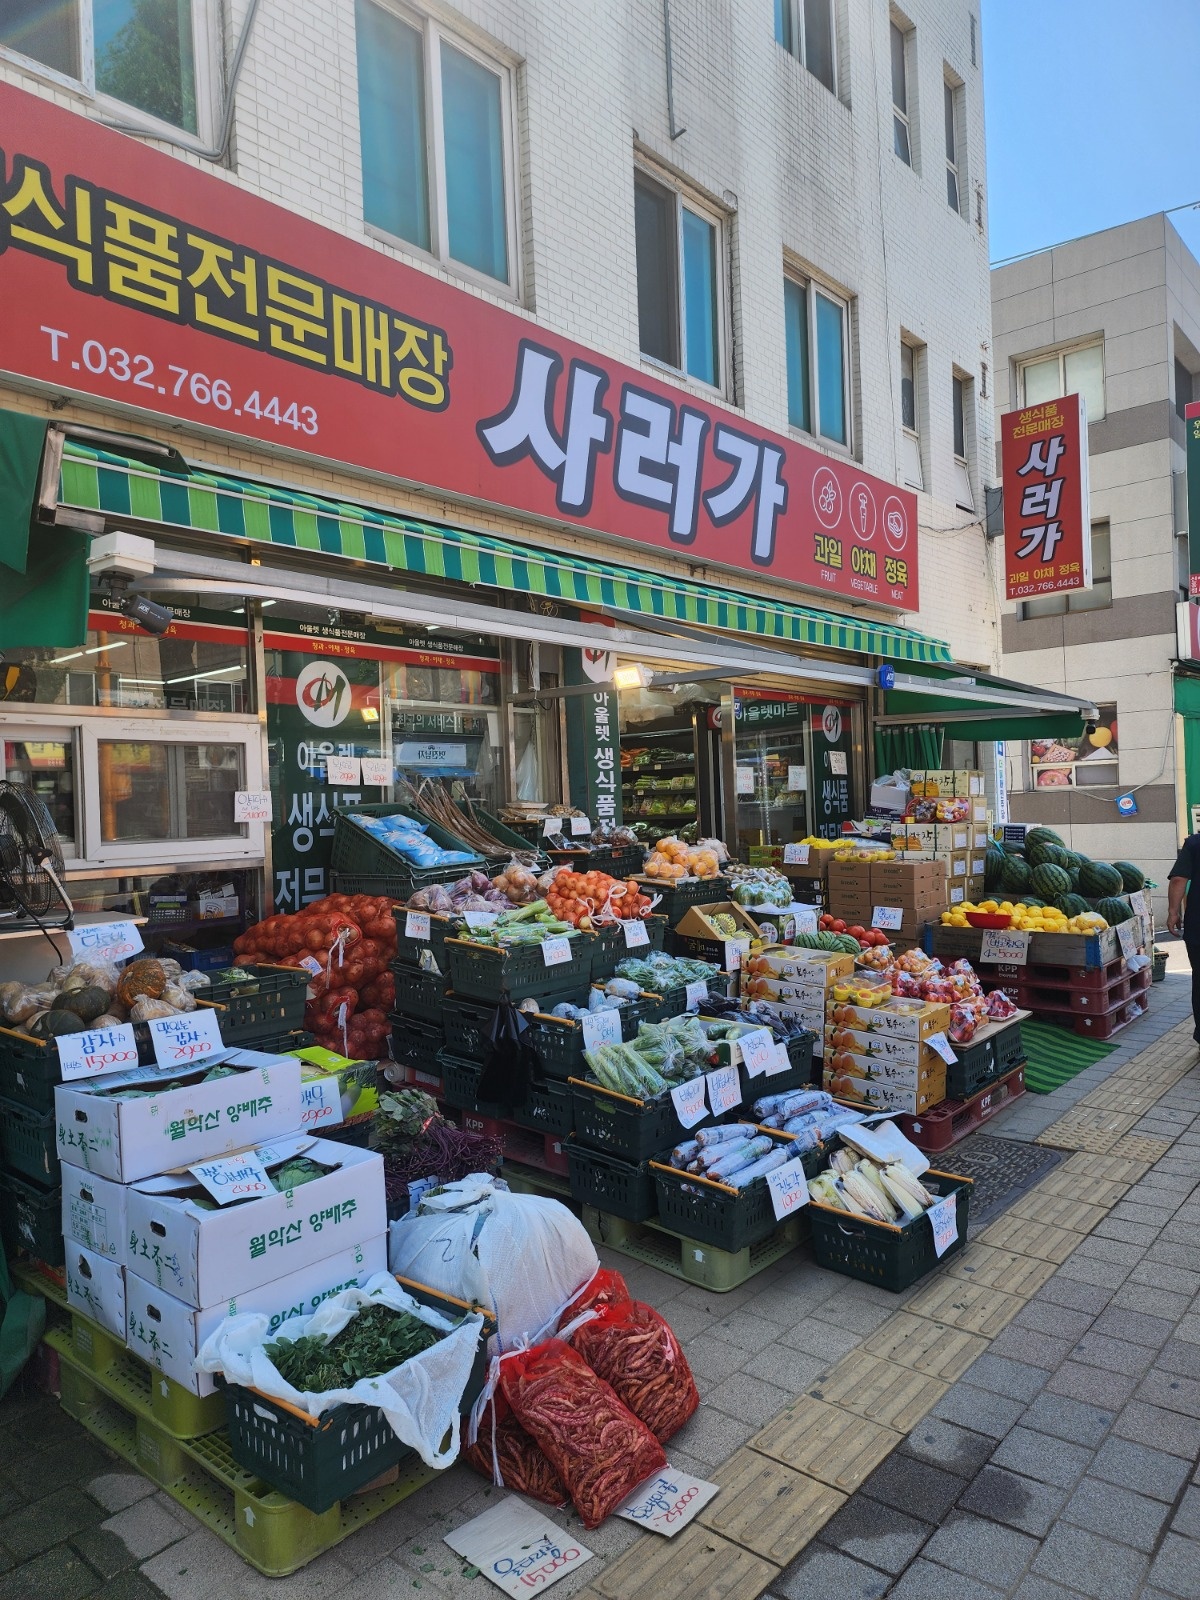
{"points": [[887, 917], [789, 1189], [320, 1104], [1009, 945], [252, 805], [343, 771], [724, 1089], [416, 925], [689, 1102], [105, 941], [190, 1037], [943, 1218], [796, 855], [601, 1027], [636, 934], [696, 994], [556, 950], [232, 1178], [376, 772], [91, 1054], [758, 1051], [940, 1043], [667, 1503]]}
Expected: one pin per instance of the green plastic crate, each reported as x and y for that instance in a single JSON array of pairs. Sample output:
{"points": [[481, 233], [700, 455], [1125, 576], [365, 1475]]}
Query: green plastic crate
{"points": [[270, 1004], [611, 946], [892, 1257], [558, 1041], [365, 858], [409, 951], [28, 1145], [419, 994], [460, 1087], [549, 1108], [620, 1188], [636, 1130], [416, 1043], [468, 1025], [715, 1214], [516, 972], [31, 1219], [680, 895], [29, 1070], [514, 842]]}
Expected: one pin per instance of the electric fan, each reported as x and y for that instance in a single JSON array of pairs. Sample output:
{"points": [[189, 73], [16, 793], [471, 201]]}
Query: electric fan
{"points": [[31, 864]]}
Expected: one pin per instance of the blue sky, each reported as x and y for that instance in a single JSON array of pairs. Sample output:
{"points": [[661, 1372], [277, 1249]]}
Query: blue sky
{"points": [[1092, 117]]}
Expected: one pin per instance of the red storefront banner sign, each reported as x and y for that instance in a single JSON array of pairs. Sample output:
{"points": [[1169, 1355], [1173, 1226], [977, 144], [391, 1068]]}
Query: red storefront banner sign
{"points": [[129, 276], [1047, 528]]}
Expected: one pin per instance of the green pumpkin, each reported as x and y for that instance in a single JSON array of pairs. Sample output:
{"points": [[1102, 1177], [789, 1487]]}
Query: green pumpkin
{"points": [[87, 1004], [1133, 878], [58, 1021], [1050, 881], [1097, 879]]}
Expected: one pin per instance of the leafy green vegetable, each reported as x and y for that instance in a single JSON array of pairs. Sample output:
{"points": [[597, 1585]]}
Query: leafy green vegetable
{"points": [[371, 1343]]}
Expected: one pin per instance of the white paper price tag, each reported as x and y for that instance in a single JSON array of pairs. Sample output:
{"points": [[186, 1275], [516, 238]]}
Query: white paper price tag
{"points": [[252, 805], [1127, 938], [1140, 903], [733, 953], [480, 919], [887, 917], [517, 1548], [745, 780], [580, 826], [696, 994], [789, 1188], [343, 771], [689, 1102], [943, 1218], [796, 855], [636, 934], [105, 941], [190, 1037], [1008, 945], [416, 925], [758, 1051], [601, 1027], [230, 1178], [797, 779], [724, 1089], [551, 826], [320, 1103], [780, 1062], [376, 772], [556, 950], [99, 1050], [837, 763], [940, 1043], [667, 1503]]}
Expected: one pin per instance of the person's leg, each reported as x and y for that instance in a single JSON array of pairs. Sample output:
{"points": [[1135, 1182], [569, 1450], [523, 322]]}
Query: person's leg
{"points": [[1193, 950]]}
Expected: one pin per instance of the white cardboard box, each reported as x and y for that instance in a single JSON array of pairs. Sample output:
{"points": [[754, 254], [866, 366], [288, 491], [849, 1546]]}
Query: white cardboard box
{"points": [[96, 1287], [167, 1333], [93, 1213], [130, 1139], [206, 1257]]}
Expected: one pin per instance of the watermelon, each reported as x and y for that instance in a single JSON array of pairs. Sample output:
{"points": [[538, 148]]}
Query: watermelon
{"points": [[1114, 910], [1041, 836], [993, 867], [1075, 860], [1031, 900], [1050, 881], [1039, 854], [1014, 875], [1097, 879], [1132, 877], [1072, 905], [1011, 849]]}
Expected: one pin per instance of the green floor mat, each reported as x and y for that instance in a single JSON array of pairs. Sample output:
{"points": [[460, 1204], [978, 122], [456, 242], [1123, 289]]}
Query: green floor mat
{"points": [[1055, 1055]]}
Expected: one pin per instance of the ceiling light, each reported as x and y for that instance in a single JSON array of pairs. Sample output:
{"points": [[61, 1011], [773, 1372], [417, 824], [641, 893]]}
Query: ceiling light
{"points": [[74, 656], [370, 714], [96, 649], [632, 677], [216, 672]]}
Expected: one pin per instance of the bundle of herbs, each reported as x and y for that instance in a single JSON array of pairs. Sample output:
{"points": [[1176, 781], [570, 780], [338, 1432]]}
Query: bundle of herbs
{"points": [[373, 1342], [417, 1142]]}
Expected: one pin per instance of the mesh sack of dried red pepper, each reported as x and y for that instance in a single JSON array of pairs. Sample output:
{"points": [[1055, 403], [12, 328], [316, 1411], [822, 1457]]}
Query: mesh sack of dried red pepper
{"points": [[595, 1443], [606, 1288], [524, 1466], [630, 1346]]}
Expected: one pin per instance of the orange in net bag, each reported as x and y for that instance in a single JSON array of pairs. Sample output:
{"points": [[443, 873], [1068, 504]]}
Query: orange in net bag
{"points": [[634, 1350]]}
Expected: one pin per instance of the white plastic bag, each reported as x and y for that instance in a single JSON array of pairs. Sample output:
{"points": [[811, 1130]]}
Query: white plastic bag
{"points": [[420, 1398], [519, 1255]]}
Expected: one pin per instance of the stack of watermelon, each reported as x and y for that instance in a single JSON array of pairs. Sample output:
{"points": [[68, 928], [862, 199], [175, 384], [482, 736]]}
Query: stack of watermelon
{"points": [[1043, 871]]}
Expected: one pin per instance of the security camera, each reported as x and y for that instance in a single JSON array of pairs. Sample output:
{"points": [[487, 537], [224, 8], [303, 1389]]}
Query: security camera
{"points": [[154, 618]]}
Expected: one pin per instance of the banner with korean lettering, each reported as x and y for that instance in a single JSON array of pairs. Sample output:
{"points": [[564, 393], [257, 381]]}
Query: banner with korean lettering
{"points": [[1047, 526], [1191, 429], [130, 276]]}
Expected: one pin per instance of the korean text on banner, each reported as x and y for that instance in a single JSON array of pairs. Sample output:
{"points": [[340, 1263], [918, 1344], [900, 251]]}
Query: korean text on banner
{"points": [[1047, 526]]}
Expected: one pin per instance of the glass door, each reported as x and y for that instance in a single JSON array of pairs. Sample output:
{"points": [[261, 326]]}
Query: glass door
{"points": [[771, 783]]}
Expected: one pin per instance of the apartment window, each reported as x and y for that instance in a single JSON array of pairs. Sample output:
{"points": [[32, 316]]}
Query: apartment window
{"points": [[1079, 371], [961, 410], [679, 283], [435, 124], [901, 134], [818, 375], [1097, 598], [910, 417], [1185, 388], [153, 56], [952, 97], [805, 28]]}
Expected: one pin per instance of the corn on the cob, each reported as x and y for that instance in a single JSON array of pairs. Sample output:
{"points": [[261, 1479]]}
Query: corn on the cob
{"points": [[863, 1195], [841, 1162], [900, 1175], [870, 1172], [901, 1197], [823, 1188]]}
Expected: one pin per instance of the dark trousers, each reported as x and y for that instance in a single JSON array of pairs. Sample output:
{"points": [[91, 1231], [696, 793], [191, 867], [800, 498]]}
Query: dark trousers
{"points": [[1192, 942]]}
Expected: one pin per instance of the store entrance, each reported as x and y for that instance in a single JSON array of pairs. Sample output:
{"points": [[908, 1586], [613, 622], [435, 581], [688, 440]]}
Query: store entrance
{"points": [[670, 771], [792, 768]]}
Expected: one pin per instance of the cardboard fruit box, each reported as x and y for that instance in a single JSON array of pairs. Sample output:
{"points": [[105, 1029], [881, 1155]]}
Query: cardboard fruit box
{"points": [[873, 1067], [907, 1024], [695, 935], [810, 969], [880, 1047], [875, 1095]]}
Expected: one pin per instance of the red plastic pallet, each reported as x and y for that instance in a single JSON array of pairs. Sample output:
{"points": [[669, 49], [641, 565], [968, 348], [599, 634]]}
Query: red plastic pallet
{"points": [[952, 1121], [546, 1151]]}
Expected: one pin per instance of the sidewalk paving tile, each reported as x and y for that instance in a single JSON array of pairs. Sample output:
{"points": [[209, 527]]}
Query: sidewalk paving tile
{"points": [[1170, 1431], [1063, 1418], [1016, 1379], [971, 1545], [769, 1508], [924, 1580], [876, 1533], [944, 1444], [978, 1411], [927, 1347], [1054, 1321], [1036, 1455], [1113, 1354], [1187, 1516], [822, 1571], [146, 1527], [1108, 1390], [1022, 1503], [58, 1574], [1136, 1328], [1142, 1467], [1171, 1391], [1177, 1567], [1122, 1514], [1044, 1351], [1094, 1565], [829, 1444], [696, 1561], [880, 1390], [914, 1487], [749, 1398]]}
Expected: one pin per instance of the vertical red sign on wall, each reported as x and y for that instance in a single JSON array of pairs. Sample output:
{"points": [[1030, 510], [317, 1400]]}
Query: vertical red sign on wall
{"points": [[1047, 527]]}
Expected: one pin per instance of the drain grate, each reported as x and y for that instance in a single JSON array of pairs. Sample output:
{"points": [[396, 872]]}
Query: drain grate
{"points": [[1003, 1169]]}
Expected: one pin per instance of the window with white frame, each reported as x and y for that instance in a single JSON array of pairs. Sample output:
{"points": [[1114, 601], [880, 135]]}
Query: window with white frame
{"points": [[952, 95], [1098, 598], [910, 415], [679, 275], [154, 57], [901, 53], [1079, 370], [817, 343], [435, 125], [962, 402], [806, 30]]}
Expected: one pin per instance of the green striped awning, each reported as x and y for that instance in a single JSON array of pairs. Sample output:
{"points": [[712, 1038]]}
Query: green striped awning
{"points": [[94, 480]]}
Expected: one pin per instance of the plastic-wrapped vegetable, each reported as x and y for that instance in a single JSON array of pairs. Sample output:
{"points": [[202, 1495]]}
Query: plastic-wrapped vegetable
{"points": [[599, 1449], [436, 899], [633, 1349]]}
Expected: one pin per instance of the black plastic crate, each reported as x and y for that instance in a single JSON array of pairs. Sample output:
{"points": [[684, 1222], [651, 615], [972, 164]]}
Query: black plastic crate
{"points": [[549, 1108], [681, 894], [31, 1219], [514, 844], [1008, 1048], [611, 946], [468, 1025], [516, 972], [29, 1070], [673, 1002], [409, 951], [634, 1129], [28, 1145], [558, 1041], [622, 1188], [711, 1213], [271, 1003], [893, 1257], [417, 1044], [975, 1068], [318, 1461], [460, 1087], [797, 1076], [367, 859], [419, 994]]}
